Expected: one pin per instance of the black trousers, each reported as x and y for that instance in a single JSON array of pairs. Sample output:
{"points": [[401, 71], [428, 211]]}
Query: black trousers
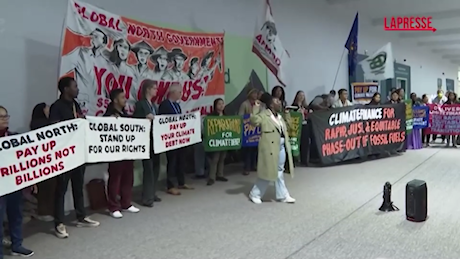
{"points": [[175, 168], [76, 176], [305, 144], [151, 172], [12, 204]]}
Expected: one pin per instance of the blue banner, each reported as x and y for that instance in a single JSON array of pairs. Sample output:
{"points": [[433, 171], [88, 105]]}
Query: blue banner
{"points": [[420, 115], [251, 134]]}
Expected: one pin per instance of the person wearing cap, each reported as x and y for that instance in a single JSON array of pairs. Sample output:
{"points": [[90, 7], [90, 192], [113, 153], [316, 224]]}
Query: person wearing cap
{"points": [[82, 61], [118, 58], [274, 149], [142, 50], [177, 58], [249, 153], [160, 59]]}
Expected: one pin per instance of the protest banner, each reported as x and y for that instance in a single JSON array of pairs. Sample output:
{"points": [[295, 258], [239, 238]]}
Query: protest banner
{"points": [[29, 158], [349, 132], [172, 132], [104, 51], [251, 133], [294, 131], [111, 139], [420, 115], [267, 45], [444, 120], [362, 92], [409, 116], [222, 133]]}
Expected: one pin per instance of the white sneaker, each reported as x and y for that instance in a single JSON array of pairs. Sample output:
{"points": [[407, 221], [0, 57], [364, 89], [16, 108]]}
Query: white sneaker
{"points": [[132, 209], [61, 231], [116, 214], [255, 200], [288, 199], [87, 222]]}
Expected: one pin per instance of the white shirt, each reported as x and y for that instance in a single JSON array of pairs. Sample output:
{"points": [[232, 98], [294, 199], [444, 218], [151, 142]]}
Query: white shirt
{"points": [[438, 100], [278, 120], [339, 103]]}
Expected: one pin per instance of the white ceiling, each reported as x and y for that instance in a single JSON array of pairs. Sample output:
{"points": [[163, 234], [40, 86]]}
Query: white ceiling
{"points": [[445, 18]]}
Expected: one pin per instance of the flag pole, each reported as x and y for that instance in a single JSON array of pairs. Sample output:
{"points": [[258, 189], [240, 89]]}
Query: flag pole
{"points": [[338, 69]]}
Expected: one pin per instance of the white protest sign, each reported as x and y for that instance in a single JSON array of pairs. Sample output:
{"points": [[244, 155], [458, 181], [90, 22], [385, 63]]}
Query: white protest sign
{"points": [[172, 132], [111, 139], [27, 159]]}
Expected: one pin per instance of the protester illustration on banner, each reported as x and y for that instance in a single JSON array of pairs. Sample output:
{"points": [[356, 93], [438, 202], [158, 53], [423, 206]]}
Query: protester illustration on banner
{"points": [[193, 68], [143, 50], [177, 58], [267, 44], [81, 61], [126, 52], [379, 65]]}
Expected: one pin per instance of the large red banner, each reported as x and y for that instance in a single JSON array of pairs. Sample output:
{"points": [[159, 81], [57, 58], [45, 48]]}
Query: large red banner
{"points": [[104, 51]]}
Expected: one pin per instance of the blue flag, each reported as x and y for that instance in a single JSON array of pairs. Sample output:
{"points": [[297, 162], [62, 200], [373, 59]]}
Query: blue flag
{"points": [[352, 47]]}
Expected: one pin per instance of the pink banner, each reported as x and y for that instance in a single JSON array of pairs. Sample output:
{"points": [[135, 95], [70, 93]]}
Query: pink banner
{"points": [[444, 119]]}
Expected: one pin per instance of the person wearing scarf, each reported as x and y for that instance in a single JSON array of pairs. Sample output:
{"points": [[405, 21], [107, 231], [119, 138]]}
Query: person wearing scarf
{"points": [[11, 204], [274, 149]]}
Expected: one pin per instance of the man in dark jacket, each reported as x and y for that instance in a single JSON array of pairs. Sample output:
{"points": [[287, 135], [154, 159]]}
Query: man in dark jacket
{"points": [[66, 108], [176, 158], [145, 108]]}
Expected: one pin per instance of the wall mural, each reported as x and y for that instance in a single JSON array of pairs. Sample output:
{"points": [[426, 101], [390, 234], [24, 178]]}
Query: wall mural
{"points": [[243, 71]]}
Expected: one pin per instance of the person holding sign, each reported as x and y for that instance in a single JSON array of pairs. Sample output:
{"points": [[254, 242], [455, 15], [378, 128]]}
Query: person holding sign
{"points": [[11, 204], [274, 147], [217, 159], [66, 108], [145, 108], [451, 100], [121, 174], [176, 158]]}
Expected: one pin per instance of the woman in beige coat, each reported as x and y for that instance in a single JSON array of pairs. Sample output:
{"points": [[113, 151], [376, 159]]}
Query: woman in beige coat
{"points": [[274, 149]]}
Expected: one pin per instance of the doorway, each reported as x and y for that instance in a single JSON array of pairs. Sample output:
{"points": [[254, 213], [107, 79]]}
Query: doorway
{"points": [[402, 83]]}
